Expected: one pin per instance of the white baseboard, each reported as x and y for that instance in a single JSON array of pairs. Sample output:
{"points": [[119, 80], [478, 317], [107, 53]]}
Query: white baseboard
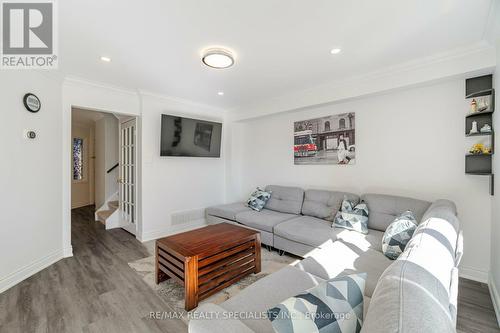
{"points": [[164, 232], [29, 270], [473, 274], [495, 297], [68, 252]]}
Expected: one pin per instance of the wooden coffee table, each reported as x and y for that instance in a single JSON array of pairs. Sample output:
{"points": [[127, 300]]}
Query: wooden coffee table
{"points": [[208, 259]]}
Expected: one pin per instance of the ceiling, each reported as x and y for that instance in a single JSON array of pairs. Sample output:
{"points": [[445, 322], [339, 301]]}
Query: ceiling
{"points": [[85, 117], [282, 46]]}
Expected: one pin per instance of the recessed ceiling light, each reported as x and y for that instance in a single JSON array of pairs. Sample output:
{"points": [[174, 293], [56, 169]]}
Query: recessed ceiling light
{"points": [[335, 51], [220, 93], [218, 58], [106, 59]]}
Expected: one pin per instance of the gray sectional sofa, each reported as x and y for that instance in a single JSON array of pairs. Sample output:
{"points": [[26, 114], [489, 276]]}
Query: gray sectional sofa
{"points": [[415, 293]]}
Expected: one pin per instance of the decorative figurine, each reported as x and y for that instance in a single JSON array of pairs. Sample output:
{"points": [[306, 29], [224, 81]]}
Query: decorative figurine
{"points": [[482, 105], [473, 130], [473, 106], [486, 128], [480, 148]]}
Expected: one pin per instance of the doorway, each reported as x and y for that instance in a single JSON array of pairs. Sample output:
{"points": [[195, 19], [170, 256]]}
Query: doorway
{"points": [[103, 167]]}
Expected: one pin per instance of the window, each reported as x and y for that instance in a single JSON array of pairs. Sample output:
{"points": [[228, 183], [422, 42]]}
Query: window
{"points": [[77, 159], [327, 126], [342, 123]]}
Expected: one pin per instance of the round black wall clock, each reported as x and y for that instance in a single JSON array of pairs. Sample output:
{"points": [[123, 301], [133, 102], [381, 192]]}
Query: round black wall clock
{"points": [[31, 103]]}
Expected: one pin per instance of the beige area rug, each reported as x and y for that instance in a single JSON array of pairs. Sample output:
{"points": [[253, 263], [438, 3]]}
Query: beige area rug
{"points": [[173, 293]]}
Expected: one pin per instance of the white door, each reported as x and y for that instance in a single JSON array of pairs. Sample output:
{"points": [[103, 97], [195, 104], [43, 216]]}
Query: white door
{"points": [[128, 172]]}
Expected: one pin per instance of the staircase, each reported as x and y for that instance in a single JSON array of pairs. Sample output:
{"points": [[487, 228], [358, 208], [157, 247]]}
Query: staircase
{"points": [[103, 215], [109, 215]]}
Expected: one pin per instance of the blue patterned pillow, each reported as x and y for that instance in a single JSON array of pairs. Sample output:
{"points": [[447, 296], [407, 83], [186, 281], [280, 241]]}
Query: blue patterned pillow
{"points": [[398, 234], [258, 199], [335, 305], [352, 217]]}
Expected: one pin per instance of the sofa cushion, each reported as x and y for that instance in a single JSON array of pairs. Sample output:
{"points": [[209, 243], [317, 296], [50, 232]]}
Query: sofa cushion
{"points": [[228, 211], [325, 204], [385, 208], [339, 258], [264, 220], [335, 305], [352, 217], [306, 230], [212, 318], [285, 199], [258, 199], [398, 234], [361, 242], [444, 209], [413, 294], [267, 292]]}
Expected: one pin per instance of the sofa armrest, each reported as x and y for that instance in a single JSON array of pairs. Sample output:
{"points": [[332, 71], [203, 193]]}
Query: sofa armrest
{"points": [[443, 209], [211, 318]]}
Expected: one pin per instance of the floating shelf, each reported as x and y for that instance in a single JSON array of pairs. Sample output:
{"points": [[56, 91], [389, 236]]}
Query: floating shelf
{"points": [[480, 134], [481, 164], [479, 173], [480, 93], [476, 114], [478, 155]]}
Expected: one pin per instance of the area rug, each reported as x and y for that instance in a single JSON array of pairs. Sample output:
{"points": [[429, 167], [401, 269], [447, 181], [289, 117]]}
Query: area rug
{"points": [[172, 292]]}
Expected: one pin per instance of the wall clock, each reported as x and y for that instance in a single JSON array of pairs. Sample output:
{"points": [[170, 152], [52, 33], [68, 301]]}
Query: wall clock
{"points": [[31, 103]]}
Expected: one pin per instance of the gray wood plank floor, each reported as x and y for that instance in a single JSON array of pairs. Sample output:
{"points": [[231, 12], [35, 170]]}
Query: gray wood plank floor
{"points": [[96, 291]]}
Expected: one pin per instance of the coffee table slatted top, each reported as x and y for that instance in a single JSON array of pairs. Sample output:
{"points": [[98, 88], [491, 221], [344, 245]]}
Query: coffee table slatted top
{"points": [[208, 240]]}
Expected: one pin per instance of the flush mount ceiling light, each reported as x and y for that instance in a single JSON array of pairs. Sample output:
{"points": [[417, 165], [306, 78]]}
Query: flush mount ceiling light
{"points": [[218, 58], [106, 59], [220, 93], [335, 51]]}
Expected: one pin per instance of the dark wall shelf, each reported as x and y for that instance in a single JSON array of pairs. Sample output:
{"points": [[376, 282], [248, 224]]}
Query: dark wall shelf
{"points": [[481, 164], [485, 92], [480, 134], [478, 114]]}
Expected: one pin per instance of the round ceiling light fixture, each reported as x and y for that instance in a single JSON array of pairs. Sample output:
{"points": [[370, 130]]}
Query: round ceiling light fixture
{"points": [[219, 58]]}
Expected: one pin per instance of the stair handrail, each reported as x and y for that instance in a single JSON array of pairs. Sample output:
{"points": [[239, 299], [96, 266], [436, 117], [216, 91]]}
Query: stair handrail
{"points": [[114, 167]]}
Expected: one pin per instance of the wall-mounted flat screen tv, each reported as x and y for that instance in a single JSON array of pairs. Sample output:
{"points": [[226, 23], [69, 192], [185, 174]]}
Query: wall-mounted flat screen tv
{"points": [[190, 137]]}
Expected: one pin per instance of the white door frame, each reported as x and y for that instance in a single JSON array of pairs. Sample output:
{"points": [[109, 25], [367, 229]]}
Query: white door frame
{"points": [[67, 166]]}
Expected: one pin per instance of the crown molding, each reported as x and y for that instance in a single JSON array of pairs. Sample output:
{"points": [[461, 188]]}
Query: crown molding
{"points": [[139, 93], [78, 81], [172, 99], [479, 57]]}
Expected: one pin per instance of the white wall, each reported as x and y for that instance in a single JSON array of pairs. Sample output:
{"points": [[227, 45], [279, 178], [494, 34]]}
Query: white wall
{"points": [[82, 191], [30, 177], [409, 142], [106, 157], [175, 184]]}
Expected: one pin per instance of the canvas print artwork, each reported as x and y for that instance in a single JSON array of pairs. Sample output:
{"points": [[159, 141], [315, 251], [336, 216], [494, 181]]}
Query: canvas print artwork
{"points": [[325, 140], [203, 135]]}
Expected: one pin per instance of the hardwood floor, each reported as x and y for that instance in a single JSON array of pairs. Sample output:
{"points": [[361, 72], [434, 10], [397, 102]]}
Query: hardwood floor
{"points": [[96, 291], [475, 308]]}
